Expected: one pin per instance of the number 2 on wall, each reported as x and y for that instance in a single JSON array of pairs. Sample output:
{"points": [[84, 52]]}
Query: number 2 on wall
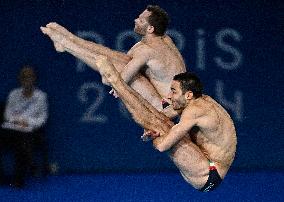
{"points": [[84, 94]]}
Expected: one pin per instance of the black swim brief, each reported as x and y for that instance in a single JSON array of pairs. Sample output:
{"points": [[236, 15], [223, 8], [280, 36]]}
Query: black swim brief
{"points": [[214, 179]]}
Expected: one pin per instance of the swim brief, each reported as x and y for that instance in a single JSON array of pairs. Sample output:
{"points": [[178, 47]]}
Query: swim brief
{"points": [[214, 179]]}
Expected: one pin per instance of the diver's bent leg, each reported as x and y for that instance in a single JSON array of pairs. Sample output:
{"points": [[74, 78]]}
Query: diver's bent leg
{"points": [[143, 112]]}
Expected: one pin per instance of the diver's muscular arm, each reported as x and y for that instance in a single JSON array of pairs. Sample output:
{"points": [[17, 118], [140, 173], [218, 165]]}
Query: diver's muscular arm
{"points": [[140, 57], [178, 131]]}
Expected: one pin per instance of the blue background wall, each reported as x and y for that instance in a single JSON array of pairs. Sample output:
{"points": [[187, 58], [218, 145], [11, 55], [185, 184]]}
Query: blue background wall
{"points": [[235, 46]]}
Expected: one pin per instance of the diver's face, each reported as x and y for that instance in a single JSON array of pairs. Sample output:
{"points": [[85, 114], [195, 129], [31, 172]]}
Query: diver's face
{"points": [[176, 96], [141, 23]]}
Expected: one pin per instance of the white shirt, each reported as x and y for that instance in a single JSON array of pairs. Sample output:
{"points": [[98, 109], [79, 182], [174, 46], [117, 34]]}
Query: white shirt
{"points": [[33, 110]]}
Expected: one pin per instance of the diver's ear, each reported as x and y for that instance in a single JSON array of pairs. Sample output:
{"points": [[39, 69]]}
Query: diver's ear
{"points": [[150, 29], [188, 95]]}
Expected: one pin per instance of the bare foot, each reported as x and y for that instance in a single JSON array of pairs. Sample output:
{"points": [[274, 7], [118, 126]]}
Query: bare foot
{"points": [[59, 47], [55, 37], [59, 28]]}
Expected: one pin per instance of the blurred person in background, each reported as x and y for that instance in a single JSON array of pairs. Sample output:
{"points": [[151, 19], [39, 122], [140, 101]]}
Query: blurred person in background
{"points": [[26, 111]]}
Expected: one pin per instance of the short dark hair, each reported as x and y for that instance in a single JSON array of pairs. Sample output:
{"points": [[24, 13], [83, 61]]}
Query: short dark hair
{"points": [[189, 82], [159, 19]]}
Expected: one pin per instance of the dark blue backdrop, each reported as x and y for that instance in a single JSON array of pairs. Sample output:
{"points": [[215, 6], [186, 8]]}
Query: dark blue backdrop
{"points": [[235, 46]]}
